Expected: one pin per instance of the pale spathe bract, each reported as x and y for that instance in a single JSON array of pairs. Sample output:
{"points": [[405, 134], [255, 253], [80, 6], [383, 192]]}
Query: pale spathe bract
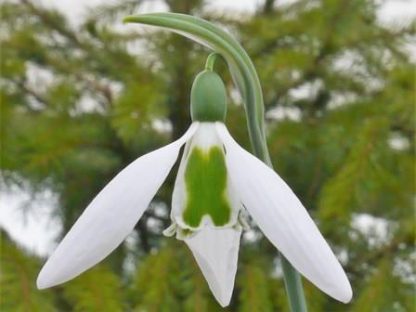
{"points": [[217, 182]]}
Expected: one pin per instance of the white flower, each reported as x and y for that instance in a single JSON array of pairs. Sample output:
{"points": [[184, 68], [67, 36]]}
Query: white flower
{"points": [[216, 183]]}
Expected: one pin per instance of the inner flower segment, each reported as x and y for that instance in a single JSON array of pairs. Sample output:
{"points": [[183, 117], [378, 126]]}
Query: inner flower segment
{"points": [[206, 187]]}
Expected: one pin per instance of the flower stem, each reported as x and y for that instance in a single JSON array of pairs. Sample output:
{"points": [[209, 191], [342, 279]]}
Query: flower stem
{"points": [[211, 59], [245, 77], [294, 289]]}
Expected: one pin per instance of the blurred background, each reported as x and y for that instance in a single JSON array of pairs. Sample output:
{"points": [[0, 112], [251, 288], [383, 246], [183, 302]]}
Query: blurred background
{"points": [[83, 95]]}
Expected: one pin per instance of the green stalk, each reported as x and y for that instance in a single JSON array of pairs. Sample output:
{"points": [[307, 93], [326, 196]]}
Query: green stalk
{"points": [[245, 77], [211, 59]]}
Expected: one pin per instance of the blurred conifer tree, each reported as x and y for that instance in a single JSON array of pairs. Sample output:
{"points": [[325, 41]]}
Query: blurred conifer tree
{"points": [[80, 102]]}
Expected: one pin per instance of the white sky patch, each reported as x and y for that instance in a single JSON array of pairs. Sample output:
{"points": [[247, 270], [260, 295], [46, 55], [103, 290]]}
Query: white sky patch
{"points": [[29, 220], [397, 12], [130, 262], [241, 6], [281, 113], [406, 269], [377, 230], [399, 142], [37, 77], [251, 236], [235, 96], [163, 126], [306, 91]]}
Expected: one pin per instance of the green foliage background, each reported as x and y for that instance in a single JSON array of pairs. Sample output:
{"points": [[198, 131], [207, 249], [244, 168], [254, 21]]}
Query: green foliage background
{"points": [[340, 100]]}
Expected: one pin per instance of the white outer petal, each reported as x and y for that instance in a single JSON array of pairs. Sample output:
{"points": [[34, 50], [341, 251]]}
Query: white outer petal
{"points": [[284, 220], [216, 252], [112, 215]]}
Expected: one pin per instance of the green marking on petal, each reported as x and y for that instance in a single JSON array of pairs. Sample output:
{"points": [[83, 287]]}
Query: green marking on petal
{"points": [[206, 185]]}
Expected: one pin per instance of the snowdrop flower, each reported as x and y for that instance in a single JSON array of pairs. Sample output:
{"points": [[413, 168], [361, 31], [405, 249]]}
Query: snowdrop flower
{"points": [[216, 183]]}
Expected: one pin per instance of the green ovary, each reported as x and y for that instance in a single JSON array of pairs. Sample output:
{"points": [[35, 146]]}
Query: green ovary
{"points": [[206, 184]]}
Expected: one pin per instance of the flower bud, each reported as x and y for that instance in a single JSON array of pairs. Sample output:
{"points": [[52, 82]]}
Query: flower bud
{"points": [[208, 97]]}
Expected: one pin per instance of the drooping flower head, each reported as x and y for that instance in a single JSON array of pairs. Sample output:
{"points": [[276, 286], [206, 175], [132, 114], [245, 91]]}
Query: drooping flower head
{"points": [[217, 183]]}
